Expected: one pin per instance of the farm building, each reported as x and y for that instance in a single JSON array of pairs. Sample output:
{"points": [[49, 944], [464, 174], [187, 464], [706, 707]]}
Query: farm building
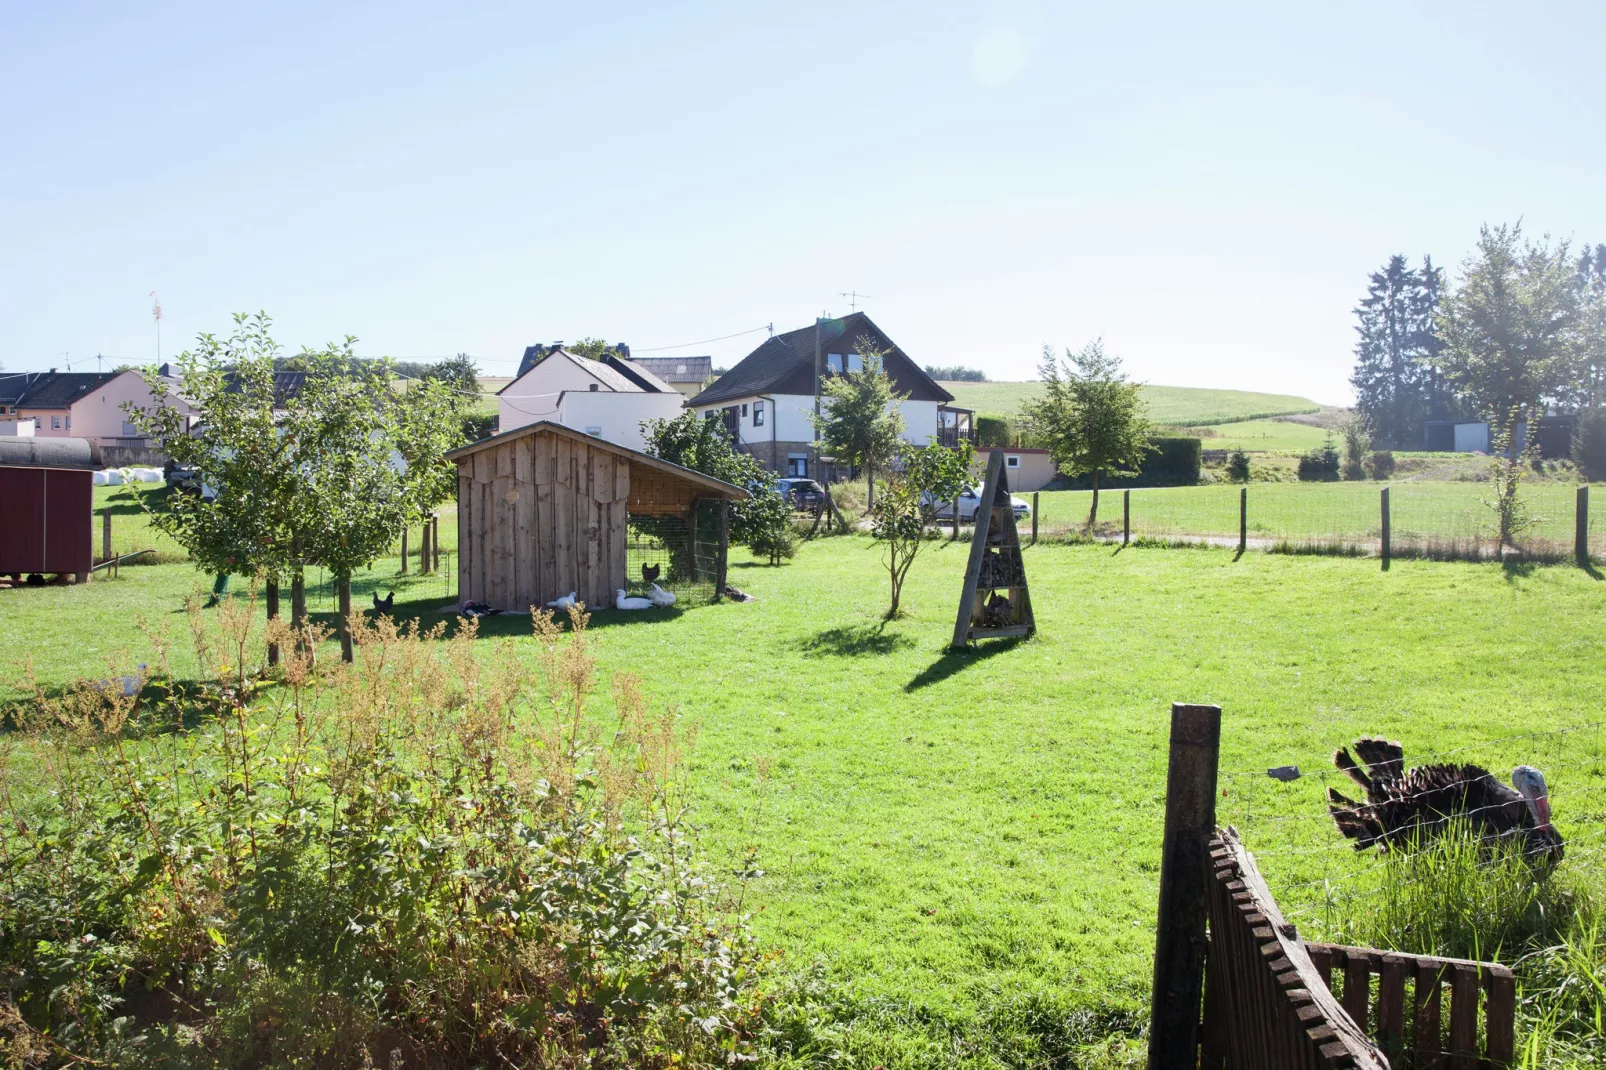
{"points": [[544, 510], [47, 487]]}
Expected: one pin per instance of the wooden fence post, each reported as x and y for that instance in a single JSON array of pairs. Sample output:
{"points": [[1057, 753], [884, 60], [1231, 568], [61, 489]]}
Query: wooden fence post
{"points": [[106, 534], [1126, 517], [1581, 528], [404, 549], [724, 548], [1179, 940], [956, 520], [1243, 519], [1384, 544], [423, 548], [435, 542], [343, 584], [1034, 518], [271, 590]]}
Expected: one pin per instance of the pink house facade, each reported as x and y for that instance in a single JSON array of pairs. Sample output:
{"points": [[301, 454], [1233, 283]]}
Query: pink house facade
{"points": [[90, 405]]}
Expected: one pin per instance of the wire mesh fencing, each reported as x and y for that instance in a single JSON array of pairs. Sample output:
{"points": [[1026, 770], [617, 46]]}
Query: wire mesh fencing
{"points": [[679, 553], [1452, 520]]}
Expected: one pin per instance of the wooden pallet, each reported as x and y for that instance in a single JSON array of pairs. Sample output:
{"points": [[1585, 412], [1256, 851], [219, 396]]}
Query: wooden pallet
{"points": [[995, 602]]}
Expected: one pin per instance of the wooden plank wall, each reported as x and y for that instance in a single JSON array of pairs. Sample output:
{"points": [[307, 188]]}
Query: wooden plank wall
{"points": [[541, 516]]}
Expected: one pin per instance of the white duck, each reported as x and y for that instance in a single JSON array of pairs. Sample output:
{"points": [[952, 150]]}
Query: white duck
{"points": [[562, 603], [661, 598], [624, 601]]}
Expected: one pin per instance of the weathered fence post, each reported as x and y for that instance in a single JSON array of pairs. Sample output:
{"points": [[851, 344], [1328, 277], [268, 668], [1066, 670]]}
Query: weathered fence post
{"points": [[404, 549], [1243, 519], [1179, 941], [423, 548], [343, 585], [1126, 518], [1384, 544], [724, 548], [106, 534], [1581, 528], [956, 520], [435, 542], [1034, 518]]}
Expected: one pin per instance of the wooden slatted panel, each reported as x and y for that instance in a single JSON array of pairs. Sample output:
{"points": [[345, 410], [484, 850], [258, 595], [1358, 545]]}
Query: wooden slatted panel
{"points": [[1500, 1016], [550, 587], [1464, 1017], [526, 589], [1428, 1003], [1357, 988], [1391, 1006], [464, 556]]}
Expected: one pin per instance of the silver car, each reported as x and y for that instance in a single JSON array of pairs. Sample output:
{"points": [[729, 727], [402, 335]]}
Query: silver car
{"points": [[970, 498]]}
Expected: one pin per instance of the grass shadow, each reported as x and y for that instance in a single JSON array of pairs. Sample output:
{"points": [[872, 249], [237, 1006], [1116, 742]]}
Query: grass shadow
{"points": [[856, 640], [954, 661]]}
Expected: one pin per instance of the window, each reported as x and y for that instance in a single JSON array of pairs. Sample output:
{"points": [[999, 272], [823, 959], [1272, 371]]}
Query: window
{"points": [[744, 408], [797, 465], [1011, 462], [855, 362], [833, 362], [758, 414], [55, 422]]}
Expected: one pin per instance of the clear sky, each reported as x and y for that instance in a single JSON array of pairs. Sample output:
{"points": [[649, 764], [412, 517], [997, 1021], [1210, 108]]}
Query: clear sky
{"points": [[1204, 185]]}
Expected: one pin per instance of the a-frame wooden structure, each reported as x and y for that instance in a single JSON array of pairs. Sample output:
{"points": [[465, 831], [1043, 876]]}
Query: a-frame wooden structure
{"points": [[995, 603]]}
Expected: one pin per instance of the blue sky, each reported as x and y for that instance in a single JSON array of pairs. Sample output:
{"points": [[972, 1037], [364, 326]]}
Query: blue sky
{"points": [[1205, 186]]}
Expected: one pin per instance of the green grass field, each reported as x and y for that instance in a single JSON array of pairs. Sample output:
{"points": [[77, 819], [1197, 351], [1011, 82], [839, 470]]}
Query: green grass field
{"points": [[1264, 436], [1178, 405], [961, 849], [1420, 511]]}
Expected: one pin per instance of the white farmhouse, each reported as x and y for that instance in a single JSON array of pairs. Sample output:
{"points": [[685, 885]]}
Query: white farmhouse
{"points": [[766, 400], [608, 398]]}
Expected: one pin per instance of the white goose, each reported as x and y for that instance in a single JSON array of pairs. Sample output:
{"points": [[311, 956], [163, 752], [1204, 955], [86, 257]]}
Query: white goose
{"points": [[661, 598], [563, 603], [624, 601]]}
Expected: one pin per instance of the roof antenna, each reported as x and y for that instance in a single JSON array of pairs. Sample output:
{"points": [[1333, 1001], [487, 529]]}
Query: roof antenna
{"points": [[854, 297]]}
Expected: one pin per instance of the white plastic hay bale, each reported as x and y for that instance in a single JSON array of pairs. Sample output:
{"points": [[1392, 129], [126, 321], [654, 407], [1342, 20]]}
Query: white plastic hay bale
{"points": [[99, 479], [148, 475], [114, 478]]}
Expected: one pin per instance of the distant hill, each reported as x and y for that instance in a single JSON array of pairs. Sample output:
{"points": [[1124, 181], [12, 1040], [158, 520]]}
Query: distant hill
{"points": [[1180, 405]]}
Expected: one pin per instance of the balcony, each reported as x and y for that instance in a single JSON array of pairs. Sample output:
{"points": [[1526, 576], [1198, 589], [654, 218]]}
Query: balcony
{"points": [[955, 426]]}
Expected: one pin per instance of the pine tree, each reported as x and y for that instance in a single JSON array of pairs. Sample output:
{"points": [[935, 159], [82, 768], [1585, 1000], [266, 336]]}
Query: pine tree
{"points": [[1397, 385]]}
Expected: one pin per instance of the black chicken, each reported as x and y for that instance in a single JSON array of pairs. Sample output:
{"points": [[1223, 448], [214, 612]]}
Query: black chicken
{"points": [[386, 604]]}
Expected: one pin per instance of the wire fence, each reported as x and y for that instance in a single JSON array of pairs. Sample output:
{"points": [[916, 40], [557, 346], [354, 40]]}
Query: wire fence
{"points": [[1430, 519]]}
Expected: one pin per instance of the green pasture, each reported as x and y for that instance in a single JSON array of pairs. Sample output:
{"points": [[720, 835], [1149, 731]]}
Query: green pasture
{"points": [[1263, 436], [960, 851], [1179, 405], [1337, 512]]}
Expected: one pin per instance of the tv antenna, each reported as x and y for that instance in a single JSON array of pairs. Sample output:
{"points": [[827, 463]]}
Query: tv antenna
{"points": [[854, 297]]}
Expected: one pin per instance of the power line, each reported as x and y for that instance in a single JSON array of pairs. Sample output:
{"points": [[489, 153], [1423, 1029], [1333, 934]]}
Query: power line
{"points": [[687, 345]]}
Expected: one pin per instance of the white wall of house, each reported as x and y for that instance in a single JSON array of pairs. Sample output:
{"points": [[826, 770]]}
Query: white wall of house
{"points": [[789, 414], [615, 416], [99, 414], [919, 421]]}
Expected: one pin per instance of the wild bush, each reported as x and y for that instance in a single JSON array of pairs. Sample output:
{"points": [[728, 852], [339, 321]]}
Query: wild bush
{"points": [[437, 854], [1380, 464], [1238, 466], [1320, 464]]}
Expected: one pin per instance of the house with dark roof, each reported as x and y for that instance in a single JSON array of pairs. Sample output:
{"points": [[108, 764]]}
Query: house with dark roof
{"points": [[89, 405], [609, 398], [765, 401]]}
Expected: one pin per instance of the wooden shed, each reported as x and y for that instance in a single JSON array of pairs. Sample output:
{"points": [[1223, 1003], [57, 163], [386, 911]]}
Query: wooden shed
{"points": [[545, 510], [47, 506]]}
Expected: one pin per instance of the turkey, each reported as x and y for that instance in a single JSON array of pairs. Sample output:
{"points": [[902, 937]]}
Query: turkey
{"points": [[624, 601], [661, 598], [475, 610], [563, 603], [1412, 804]]}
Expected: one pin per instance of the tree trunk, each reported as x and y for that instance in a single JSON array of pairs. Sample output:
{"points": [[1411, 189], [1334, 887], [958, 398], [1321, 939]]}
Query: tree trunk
{"points": [[1093, 513], [870, 493], [404, 549], [344, 584], [271, 591]]}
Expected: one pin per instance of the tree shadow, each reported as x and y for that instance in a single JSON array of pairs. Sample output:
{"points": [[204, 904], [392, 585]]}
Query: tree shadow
{"points": [[855, 640], [1517, 568], [954, 661], [1590, 570]]}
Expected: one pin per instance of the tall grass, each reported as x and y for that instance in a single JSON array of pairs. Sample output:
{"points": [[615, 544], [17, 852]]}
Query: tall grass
{"points": [[1457, 897], [430, 857]]}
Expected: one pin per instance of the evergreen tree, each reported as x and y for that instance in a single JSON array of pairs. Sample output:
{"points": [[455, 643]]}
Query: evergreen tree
{"points": [[1592, 323], [1397, 385]]}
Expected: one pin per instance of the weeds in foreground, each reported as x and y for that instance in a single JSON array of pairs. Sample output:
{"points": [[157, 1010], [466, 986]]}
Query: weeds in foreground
{"points": [[1454, 897], [428, 856]]}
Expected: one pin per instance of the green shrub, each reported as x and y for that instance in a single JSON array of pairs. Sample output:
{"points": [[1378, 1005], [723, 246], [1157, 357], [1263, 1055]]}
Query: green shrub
{"points": [[1589, 444], [778, 543], [432, 855], [1177, 459], [1238, 466], [1380, 464], [994, 430], [1320, 464]]}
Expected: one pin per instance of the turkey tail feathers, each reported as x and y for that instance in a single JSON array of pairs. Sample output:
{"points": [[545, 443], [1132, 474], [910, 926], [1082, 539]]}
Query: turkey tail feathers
{"points": [[1384, 760], [1353, 820], [1347, 766]]}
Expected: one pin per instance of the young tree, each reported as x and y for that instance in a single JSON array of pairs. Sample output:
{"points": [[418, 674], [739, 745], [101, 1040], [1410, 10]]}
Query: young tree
{"points": [[1397, 386], [1510, 328], [860, 423], [698, 443], [1089, 417], [1356, 432], [902, 516]]}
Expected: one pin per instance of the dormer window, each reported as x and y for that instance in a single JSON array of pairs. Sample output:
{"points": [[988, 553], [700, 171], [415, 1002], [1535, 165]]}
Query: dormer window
{"points": [[855, 362], [833, 363]]}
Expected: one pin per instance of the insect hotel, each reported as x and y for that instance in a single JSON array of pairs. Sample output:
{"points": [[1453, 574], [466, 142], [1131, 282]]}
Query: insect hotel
{"points": [[544, 511]]}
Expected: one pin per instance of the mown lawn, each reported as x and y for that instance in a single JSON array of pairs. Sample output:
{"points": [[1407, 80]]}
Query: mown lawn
{"points": [[1178, 405], [1262, 436], [1419, 510], [960, 850]]}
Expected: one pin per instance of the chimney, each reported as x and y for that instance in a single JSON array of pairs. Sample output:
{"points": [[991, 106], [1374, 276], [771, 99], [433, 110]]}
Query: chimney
{"points": [[623, 350]]}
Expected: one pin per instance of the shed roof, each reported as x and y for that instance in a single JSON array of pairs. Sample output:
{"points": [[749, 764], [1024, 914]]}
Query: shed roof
{"points": [[689, 475], [678, 369]]}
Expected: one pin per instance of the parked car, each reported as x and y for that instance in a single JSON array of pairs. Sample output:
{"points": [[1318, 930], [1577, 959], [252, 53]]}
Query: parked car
{"points": [[803, 494], [970, 498]]}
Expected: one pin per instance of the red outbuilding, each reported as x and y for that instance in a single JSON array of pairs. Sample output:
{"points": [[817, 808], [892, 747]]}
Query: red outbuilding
{"points": [[47, 507]]}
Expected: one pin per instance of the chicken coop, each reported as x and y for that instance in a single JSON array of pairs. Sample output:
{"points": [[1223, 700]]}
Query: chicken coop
{"points": [[47, 489], [545, 510]]}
